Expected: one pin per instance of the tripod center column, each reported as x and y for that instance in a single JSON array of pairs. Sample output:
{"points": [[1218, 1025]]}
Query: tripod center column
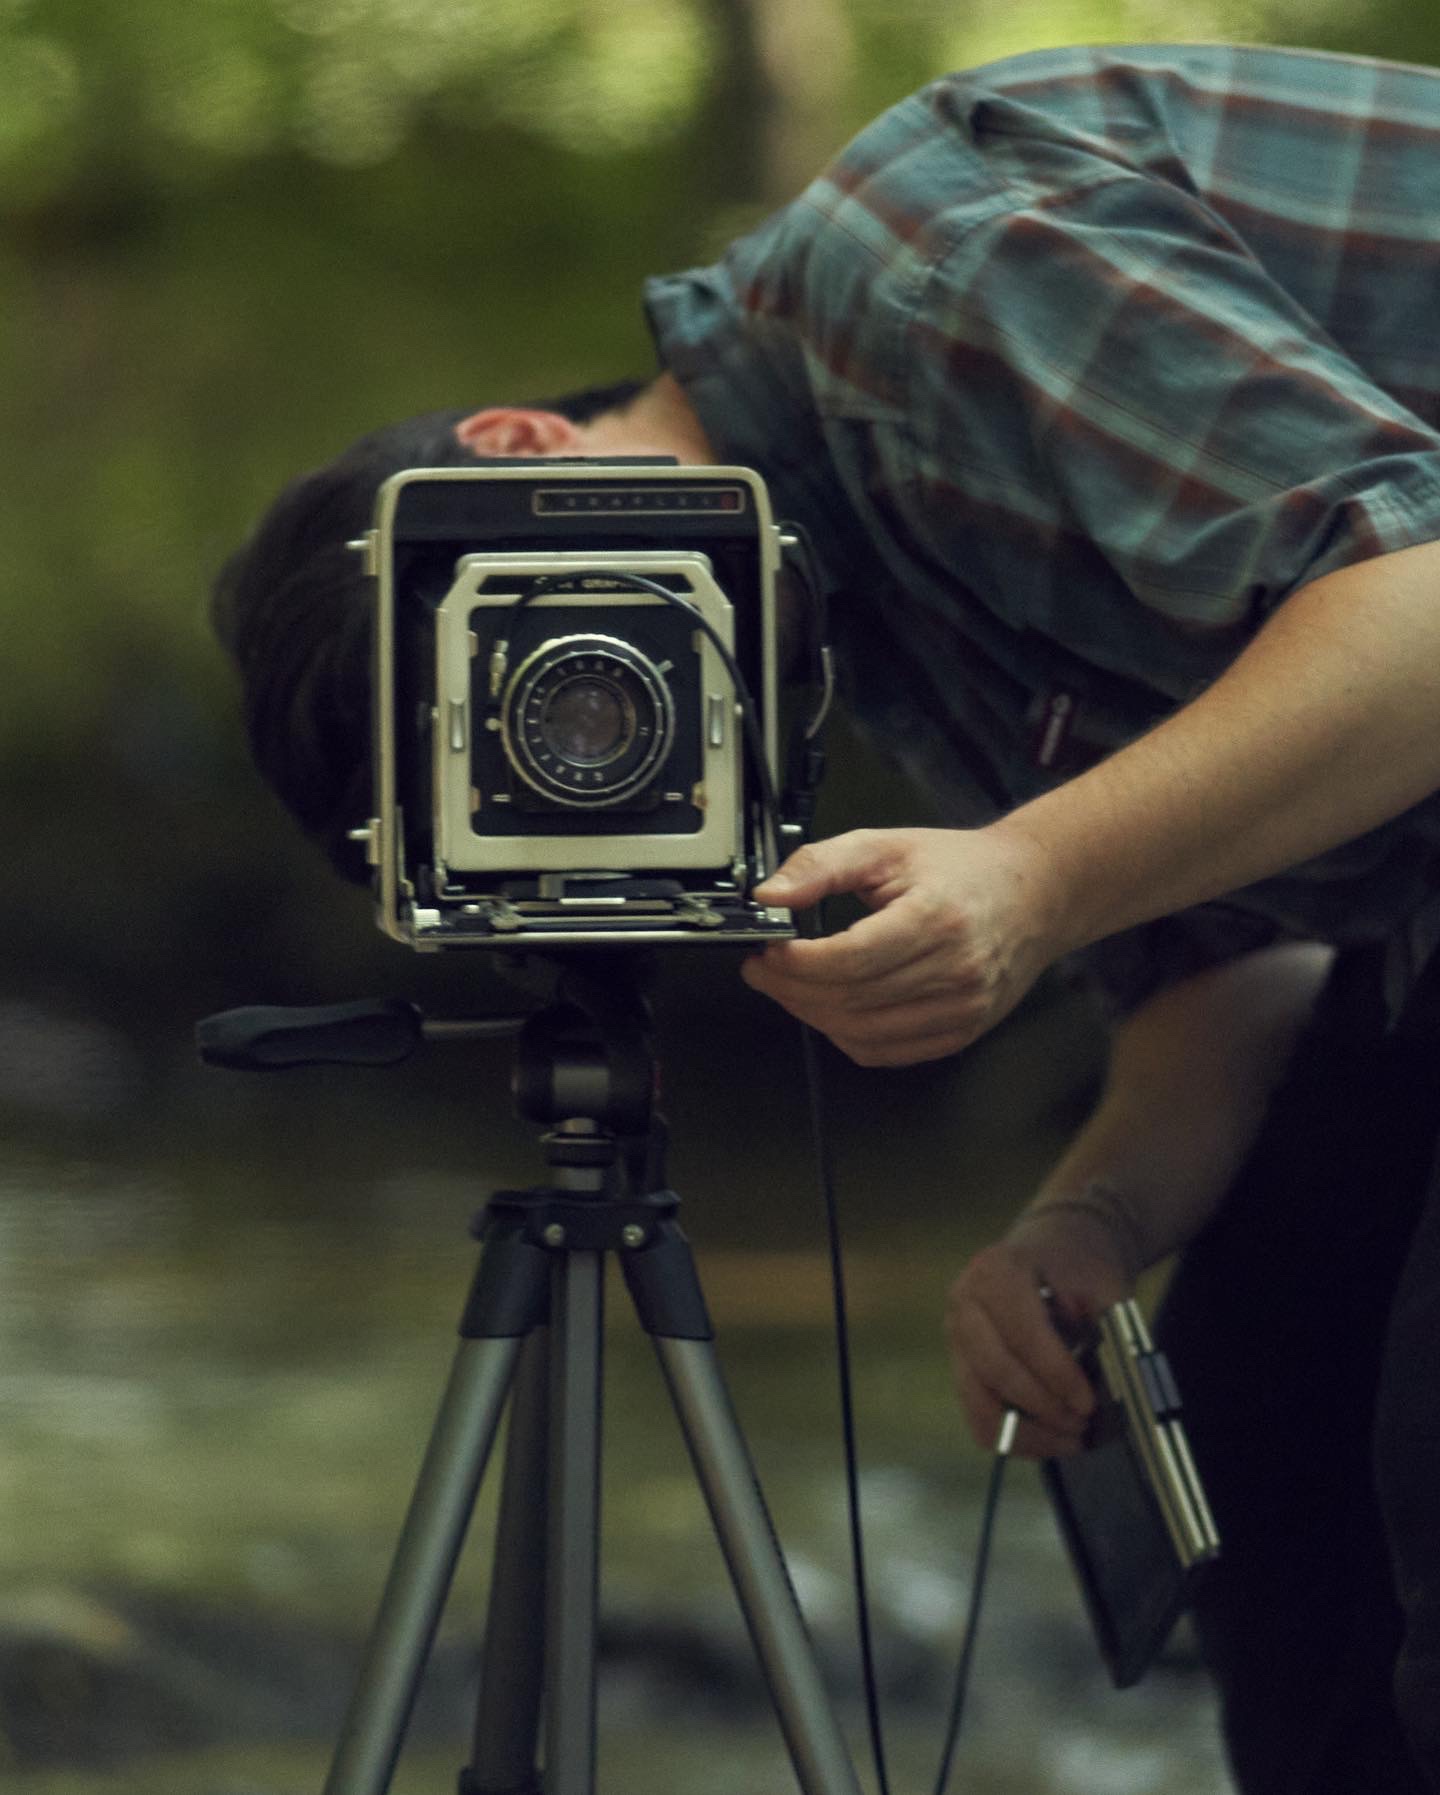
{"points": [[573, 1582]]}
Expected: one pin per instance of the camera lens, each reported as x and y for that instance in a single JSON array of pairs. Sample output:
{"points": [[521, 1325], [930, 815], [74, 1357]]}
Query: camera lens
{"points": [[585, 720], [588, 721]]}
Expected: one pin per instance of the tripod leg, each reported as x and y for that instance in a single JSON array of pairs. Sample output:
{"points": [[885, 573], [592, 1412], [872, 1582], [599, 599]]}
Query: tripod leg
{"points": [[572, 1589], [762, 1584], [512, 1664], [506, 1302], [667, 1296], [424, 1563]]}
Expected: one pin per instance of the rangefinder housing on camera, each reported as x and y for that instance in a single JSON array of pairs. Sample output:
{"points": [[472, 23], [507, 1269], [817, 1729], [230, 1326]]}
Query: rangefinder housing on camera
{"points": [[564, 652]]}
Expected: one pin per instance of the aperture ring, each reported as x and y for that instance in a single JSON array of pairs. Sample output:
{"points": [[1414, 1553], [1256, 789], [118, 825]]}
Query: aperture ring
{"points": [[587, 721]]}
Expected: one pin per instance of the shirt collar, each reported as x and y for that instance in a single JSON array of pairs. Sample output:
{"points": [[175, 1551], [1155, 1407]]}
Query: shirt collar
{"points": [[747, 381], [748, 392]]}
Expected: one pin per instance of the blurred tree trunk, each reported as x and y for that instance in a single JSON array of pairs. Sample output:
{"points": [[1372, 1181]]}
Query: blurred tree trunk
{"points": [[785, 72], [806, 53]]}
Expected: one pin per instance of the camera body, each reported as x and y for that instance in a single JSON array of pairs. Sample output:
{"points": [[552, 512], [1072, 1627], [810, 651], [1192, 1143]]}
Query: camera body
{"points": [[565, 653]]}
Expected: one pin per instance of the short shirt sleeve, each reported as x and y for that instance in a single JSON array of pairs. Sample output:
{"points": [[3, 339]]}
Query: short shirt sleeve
{"points": [[1111, 404]]}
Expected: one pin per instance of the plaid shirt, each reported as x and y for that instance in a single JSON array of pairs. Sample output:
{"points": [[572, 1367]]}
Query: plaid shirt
{"points": [[1075, 366]]}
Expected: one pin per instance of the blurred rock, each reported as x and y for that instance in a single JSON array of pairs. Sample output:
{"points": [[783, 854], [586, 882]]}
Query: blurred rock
{"points": [[65, 1068]]}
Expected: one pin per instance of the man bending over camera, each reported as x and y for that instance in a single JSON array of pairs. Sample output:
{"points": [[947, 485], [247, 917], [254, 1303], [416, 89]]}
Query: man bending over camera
{"points": [[1104, 382]]}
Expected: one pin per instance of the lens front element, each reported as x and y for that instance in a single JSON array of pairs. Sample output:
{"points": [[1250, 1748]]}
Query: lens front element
{"points": [[587, 721]]}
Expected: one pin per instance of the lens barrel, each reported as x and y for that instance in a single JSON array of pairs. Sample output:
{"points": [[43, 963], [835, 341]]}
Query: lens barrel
{"points": [[587, 721]]}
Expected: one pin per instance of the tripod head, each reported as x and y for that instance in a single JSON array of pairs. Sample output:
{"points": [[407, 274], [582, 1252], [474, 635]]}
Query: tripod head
{"points": [[590, 1050], [585, 1054]]}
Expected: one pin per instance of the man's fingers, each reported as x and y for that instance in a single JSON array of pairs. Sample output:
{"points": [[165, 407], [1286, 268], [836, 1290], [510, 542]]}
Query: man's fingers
{"points": [[914, 1001], [911, 1051], [982, 1352], [891, 1037], [965, 905], [872, 1032], [998, 1323], [1031, 1334], [877, 946], [856, 861], [985, 1413]]}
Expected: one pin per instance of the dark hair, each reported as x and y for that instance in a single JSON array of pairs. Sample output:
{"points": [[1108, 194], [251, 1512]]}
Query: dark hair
{"points": [[293, 611]]}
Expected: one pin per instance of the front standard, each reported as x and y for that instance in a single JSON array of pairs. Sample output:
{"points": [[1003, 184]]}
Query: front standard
{"points": [[576, 693]]}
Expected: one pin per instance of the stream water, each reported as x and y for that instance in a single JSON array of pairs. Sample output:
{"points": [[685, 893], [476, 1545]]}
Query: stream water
{"points": [[214, 1391]]}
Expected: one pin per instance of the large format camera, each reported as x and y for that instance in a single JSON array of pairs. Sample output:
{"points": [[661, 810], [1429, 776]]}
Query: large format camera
{"points": [[576, 704]]}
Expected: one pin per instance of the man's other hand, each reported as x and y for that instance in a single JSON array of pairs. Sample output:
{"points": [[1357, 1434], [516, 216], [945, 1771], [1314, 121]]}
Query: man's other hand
{"points": [[1005, 1350], [963, 924]]}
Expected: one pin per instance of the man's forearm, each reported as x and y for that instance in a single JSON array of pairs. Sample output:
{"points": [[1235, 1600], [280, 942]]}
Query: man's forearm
{"points": [[1327, 724], [1190, 1076]]}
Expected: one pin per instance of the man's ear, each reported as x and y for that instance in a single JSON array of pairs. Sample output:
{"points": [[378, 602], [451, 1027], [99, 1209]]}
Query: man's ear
{"points": [[514, 430]]}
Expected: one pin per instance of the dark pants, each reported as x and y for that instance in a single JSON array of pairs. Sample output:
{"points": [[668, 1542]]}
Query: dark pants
{"points": [[1279, 1324], [1407, 1440]]}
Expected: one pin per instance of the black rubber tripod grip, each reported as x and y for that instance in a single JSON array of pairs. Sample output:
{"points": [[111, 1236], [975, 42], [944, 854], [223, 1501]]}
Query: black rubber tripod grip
{"points": [[269, 1038]]}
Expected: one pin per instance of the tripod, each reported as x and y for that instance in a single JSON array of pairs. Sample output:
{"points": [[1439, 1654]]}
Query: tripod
{"points": [[531, 1332]]}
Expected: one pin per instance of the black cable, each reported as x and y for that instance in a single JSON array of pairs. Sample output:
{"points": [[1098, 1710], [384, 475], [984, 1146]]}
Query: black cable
{"points": [[812, 581], [809, 572], [825, 1172], [977, 1592], [824, 1165]]}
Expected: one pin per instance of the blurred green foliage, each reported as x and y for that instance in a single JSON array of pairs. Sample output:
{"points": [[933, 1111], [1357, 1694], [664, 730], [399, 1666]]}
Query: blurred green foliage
{"points": [[233, 234]]}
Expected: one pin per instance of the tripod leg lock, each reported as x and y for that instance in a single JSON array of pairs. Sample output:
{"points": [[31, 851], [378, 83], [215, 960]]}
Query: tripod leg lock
{"points": [[665, 1287], [560, 1221], [523, 1229], [511, 1292]]}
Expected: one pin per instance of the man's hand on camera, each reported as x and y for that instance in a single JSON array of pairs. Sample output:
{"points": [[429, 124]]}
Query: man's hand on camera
{"points": [[1006, 1349], [963, 924]]}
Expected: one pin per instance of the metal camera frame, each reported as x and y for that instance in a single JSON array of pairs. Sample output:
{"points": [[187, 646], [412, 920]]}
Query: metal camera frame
{"points": [[569, 498], [721, 837]]}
